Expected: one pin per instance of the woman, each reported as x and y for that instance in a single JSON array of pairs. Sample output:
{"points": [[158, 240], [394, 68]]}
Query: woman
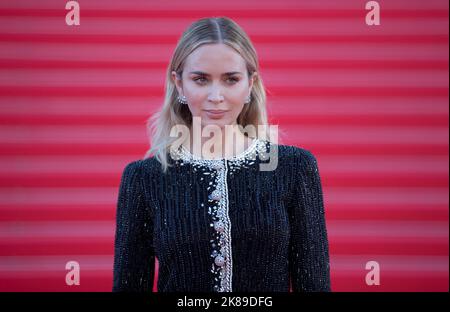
{"points": [[219, 219]]}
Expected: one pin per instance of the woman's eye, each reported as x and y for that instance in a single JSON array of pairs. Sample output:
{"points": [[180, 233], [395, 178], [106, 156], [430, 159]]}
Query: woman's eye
{"points": [[233, 80], [201, 79]]}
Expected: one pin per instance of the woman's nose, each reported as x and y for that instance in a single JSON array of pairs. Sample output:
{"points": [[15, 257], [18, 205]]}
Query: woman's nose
{"points": [[215, 95]]}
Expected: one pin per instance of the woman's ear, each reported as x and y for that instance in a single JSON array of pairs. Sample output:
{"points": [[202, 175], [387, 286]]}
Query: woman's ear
{"points": [[177, 82], [252, 79]]}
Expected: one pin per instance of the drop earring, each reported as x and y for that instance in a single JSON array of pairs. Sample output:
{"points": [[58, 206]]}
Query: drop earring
{"points": [[182, 99]]}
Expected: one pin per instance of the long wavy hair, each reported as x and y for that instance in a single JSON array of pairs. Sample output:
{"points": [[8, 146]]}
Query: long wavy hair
{"points": [[215, 30]]}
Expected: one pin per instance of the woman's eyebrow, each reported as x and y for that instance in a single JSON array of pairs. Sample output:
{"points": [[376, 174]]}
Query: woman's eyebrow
{"points": [[208, 75]]}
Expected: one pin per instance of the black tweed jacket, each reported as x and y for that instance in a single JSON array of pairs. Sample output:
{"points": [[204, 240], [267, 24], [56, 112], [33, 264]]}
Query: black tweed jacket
{"points": [[254, 222]]}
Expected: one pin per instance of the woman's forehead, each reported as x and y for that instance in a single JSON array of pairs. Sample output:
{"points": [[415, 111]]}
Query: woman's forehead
{"points": [[215, 59]]}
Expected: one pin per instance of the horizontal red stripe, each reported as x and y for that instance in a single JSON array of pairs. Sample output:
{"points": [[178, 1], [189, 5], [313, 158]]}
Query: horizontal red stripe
{"points": [[114, 91], [342, 279], [60, 180], [388, 246], [39, 281], [356, 64], [161, 52], [375, 179], [135, 150], [361, 120], [36, 281], [338, 246], [387, 212], [67, 64], [275, 119], [56, 246], [312, 106], [270, 64], [58, 212], [167, 39], [72, 120], [138, 150], [371, 149], [390, 282], [370, 179], [64, 212], [242, 13], [359, 91]]}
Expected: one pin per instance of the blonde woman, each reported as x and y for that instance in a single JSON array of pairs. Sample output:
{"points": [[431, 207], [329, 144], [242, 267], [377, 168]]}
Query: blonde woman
{"points": [[222, 206]]}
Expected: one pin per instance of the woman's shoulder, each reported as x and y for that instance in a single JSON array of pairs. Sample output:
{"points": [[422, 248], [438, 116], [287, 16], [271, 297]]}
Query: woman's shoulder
{"points": [[143, 166], [292, 153], [296, 162]]}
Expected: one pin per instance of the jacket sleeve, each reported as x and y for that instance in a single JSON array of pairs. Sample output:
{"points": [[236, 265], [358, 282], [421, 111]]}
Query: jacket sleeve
{"points": [[134, 257], [308, 254]]}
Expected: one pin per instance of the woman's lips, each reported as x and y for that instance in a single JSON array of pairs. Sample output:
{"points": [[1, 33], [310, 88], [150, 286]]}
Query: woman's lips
{"points": [[215, 114]]}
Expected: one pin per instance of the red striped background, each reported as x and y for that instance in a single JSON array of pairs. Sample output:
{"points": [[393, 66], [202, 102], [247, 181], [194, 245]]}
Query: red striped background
{"points": [[370, 102]]}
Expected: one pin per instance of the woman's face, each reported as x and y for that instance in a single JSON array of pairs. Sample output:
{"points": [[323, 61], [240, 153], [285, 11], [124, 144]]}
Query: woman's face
{"points": [[215, 78]]}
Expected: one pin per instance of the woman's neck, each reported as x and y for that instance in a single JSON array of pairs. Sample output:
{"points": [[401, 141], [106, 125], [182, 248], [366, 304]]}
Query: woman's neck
{"points": [[217, 146]]}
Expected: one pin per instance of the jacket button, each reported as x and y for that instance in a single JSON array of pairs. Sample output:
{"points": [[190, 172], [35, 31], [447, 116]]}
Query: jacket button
{"points": [[219, 226], [216, 195], [219, 261]]}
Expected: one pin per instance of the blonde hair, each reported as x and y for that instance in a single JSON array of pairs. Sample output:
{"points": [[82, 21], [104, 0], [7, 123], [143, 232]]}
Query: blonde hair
{"points": [[204, 31]]}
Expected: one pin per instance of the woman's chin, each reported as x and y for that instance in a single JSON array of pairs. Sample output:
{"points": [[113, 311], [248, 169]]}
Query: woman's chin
{"points": [[215, 122]]}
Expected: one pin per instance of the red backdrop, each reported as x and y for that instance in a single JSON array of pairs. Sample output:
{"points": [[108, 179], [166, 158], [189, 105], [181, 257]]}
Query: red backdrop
{"points": [[371, 102]]}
